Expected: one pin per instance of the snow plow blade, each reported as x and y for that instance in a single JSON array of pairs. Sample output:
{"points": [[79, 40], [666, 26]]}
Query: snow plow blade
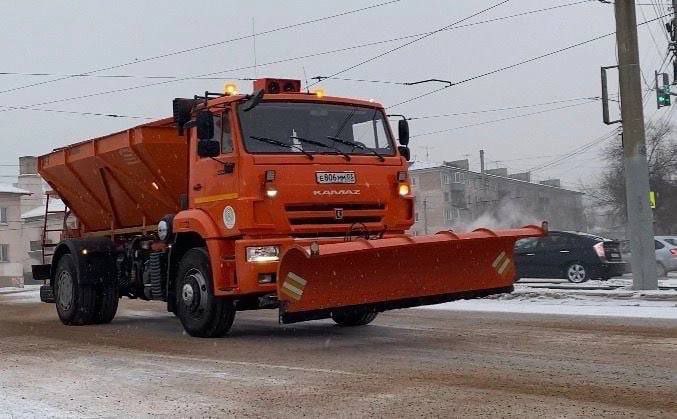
{"points": [[398, 272]]}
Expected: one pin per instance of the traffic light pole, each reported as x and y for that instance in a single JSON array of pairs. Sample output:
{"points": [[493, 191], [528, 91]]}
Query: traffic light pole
{"points": [[640, 223]]}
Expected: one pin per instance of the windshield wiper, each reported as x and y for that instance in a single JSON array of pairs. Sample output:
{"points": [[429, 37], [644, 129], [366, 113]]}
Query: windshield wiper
{"points": [[355, 144], [281, 144], [319, 144]]}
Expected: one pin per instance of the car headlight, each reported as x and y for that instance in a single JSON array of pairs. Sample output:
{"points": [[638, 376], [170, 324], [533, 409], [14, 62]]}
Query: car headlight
{"points": [[263, 254]]}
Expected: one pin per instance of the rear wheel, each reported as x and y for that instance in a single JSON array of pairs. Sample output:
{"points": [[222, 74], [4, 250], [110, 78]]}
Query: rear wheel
{"points": [[201, 313], [353, 317], [577, 273], [75, 304], [106, 303]]}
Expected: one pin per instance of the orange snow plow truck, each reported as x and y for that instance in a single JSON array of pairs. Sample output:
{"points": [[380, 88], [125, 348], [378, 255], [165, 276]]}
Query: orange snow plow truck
{"points": [[278, 199]]}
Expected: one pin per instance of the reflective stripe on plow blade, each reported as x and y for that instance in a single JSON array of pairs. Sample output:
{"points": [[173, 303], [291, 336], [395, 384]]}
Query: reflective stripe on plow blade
{"points": [[293, 286], [498, 260]]}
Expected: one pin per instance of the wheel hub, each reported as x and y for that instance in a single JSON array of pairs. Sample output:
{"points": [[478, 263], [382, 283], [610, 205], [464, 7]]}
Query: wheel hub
{"points": [[188, 294], [64, 290], [577, 273], [194, 291]]}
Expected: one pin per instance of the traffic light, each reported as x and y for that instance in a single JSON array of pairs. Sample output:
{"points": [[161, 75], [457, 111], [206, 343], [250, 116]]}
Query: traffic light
{"points": [[662, 90]]}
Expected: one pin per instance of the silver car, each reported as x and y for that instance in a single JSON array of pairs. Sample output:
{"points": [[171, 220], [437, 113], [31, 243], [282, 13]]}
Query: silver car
{"points": [[666, 254]]}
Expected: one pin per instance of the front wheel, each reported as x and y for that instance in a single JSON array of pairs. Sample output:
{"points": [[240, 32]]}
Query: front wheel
{"points": [[201, 313], [353, 317], [577, 273]]}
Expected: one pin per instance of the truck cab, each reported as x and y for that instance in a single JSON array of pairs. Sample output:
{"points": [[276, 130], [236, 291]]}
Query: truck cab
{"points": [[290, 168]]}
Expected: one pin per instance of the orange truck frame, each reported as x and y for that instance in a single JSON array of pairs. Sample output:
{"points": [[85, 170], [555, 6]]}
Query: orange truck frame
{"points": [[276, 199]]}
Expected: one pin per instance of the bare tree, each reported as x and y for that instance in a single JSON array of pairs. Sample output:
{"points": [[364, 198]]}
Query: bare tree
{"points": [[662, 159]]}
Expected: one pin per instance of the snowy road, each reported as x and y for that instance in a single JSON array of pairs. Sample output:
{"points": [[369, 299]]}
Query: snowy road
{"points": [[408, 363]]}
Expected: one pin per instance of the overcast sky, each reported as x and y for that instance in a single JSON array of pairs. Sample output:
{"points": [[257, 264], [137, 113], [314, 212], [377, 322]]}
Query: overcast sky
{"points": [[63, 37]]}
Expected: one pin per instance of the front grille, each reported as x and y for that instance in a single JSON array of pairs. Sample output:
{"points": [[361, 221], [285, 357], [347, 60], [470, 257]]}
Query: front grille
{"points": [[333, 214]]}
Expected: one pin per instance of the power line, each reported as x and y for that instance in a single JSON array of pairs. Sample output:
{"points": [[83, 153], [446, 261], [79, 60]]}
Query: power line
{"points": [[444, 115], [406, 44], [321, 53], [212, 44], [493, 121], [109, 115], [508, 67], [117, 76], [581, 149]]}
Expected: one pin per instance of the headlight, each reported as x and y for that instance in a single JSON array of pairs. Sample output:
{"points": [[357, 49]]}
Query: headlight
{"points": [[271, 192], [263, 254], [403, 189], [162, 229]]}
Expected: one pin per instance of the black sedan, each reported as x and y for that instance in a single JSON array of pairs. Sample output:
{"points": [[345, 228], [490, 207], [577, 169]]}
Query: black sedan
{"points": [[577, 257]]}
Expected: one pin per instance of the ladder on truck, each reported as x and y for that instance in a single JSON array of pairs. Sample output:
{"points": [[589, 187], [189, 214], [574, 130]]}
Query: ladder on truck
{"points": [[48, 246]]}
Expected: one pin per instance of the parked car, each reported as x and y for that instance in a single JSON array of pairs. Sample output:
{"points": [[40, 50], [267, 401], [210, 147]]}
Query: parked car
{"points": [[666, 254], [577, 257]]}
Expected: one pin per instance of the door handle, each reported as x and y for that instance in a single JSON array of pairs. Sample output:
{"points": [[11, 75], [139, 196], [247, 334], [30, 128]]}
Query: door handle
{"points": [[531, 254], [564, 251]]}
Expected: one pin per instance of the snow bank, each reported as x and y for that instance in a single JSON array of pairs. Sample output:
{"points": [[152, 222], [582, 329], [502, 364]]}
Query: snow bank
{"points": [[612, 303]]}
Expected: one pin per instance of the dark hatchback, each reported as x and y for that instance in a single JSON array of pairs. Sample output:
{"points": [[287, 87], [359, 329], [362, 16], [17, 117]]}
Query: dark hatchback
{"points": [[577, 257]]}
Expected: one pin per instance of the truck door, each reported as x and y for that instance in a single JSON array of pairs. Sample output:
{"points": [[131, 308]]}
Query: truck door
{"points": [[213, 183]]}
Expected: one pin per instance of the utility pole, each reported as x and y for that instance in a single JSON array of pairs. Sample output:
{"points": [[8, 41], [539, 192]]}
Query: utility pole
{"points": [[482, 158], [425, 216], [640, 225]]}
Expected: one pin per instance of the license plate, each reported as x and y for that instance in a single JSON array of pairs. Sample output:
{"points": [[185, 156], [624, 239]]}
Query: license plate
{"points": [[335, 177]]}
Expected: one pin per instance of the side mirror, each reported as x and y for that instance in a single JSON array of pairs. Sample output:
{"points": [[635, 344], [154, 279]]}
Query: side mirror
{"points": [[204, 122], [208, 148], [182, 109], [405, 152], [253, 101], [403, 131]]}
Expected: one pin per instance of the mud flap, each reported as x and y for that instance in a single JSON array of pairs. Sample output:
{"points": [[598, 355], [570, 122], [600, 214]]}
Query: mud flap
{"points": [[396, 272]]}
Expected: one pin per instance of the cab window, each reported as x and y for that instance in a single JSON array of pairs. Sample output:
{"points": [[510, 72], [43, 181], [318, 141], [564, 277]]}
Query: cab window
{"points": [[222, 132]]}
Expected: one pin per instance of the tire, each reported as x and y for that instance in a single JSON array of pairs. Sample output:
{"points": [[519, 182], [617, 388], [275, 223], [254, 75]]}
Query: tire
{"points": [[75, 304], [201, 313], [661, 272], [107, 300], [353, 318], [577, 273]]}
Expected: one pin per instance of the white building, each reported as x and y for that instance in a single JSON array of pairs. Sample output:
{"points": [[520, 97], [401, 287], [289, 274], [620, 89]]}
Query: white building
{"points": [[22, 222], [12, 252]]}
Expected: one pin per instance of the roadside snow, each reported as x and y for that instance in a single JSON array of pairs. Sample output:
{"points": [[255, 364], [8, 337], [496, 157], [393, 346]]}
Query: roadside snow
{"points": [[593, 302], [28, 294]]}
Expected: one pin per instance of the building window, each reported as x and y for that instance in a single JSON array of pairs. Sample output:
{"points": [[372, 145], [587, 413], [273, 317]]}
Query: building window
{"points": [[446, 179], [460, 177], [4, 253], [447, 197], [450, 214], [3, 215], [413, 180]]}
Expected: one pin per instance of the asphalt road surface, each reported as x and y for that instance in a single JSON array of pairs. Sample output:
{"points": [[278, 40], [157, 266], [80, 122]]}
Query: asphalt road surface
{"points": [[407, 363]]}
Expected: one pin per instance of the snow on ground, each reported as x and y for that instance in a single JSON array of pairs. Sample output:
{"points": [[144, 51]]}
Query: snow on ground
{"points": [[27, 294], [586, 299], [593, 298]]}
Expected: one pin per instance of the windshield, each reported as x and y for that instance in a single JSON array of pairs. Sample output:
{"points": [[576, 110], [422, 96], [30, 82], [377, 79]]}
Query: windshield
{"points": [[288, 127]]}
